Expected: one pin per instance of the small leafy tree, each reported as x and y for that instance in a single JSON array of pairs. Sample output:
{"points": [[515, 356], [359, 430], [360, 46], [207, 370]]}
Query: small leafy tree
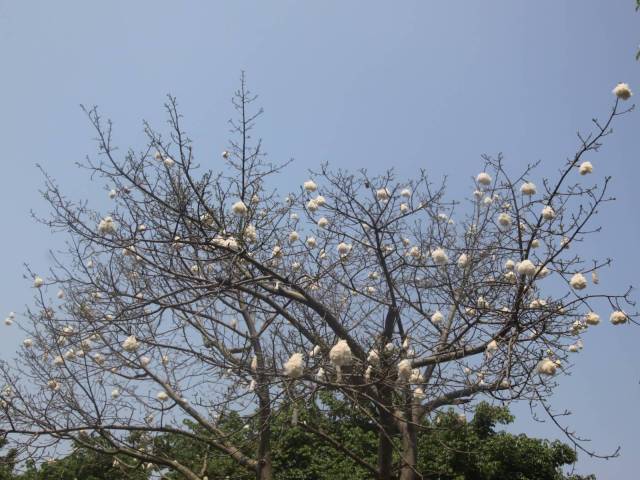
{"points": [[204, 295]]}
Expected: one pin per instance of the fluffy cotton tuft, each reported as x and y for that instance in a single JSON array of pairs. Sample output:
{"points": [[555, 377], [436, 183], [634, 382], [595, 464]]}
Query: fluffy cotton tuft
{"points": [[38, 282], [483, 178], [509, 265], [320, 201], [168, 162], [311, 242], [340, 354], [323, 222], [383, 194], [547, 367], [548, 213], [106, 226], [404, 370], [491, 348], [293, 236], [526, 267], [404, 208], [294, 367], [130, 344], [622, 91], [463, 260], [115, 393], [310, 186], [504, 219], [113, 194], [528, 188], [162, 396], [373, 358], [239, 208], [437, 317], [344, 249], [585, 168], [578, 282], [419, 394], [406, 193], [27, 342], [439, 256], [618, 317], [592, 318]]}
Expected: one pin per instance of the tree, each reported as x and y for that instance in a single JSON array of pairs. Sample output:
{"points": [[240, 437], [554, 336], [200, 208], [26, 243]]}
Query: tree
{"points": [[202, 296], [453, 449]]}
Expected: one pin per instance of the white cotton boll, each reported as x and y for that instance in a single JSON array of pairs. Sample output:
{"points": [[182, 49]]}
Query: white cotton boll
{"points": [[250, 233], [419, 394], [548, 213], [404, 208], [373, 358], [60, 294], [509, 265], [535, 243], [504, 219], [294, 237], [323, 222], [157, 155], [296, 266], [463, 260], [255, 199], [416, 376], [404, 370], [53, 385], [437, 317], [239, 208], [344, 249], [168, 162], [165, 359], [383, 194], [321, 376], [68, 331], [510, 277], [491, 348], [233, 323], [370, 290], [374, 275], [618, 317], [27, 342], [585, 168], [70, 354], [106, 226], [547, 367], [478, 194], [8, 321], [130, 344], [340, 354], [312, 205], [294, 367], [38, 282], [320, 201], [538, 303], [439, 256], [310, 186], [415, 252], [573, 348], [578, 282], [543, 272], [311, 242], [528, 188], [565, 243], [294, 216], [622, 91], [483, 178], [225, 154], [276, 252], [592, 318], [58, 361], [526, 267], [162, 396], [389, 347], [367, 373], [482, 303], [315, 351], [406, 193], [115, 393], [145, 361]]}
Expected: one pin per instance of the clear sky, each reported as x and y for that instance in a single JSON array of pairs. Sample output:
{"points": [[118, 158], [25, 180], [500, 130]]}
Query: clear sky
{"points": [[408, 84]]}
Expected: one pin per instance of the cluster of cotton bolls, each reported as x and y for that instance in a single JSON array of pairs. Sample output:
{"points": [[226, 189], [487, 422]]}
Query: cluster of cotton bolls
{"points": [[340, 356], [106, 226], [10, 318]]}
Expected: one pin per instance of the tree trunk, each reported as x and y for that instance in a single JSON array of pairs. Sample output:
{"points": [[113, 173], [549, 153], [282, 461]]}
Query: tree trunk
{"points": [[409, 451]]}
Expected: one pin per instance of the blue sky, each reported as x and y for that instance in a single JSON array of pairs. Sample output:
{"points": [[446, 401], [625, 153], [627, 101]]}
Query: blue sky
{"points": [[408, 84]]}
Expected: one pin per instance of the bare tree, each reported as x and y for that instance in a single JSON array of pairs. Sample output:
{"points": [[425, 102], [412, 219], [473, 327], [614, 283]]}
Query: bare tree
{"points": [[201, 294]]}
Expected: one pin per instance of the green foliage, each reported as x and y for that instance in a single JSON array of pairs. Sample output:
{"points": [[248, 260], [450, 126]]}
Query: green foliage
{"points": [[449, 449]]}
